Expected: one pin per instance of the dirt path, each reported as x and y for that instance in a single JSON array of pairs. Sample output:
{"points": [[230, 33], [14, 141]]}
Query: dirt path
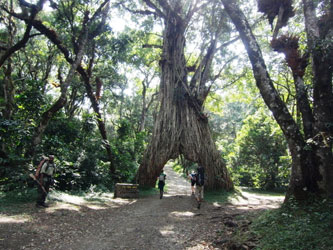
{"points": [[173, 222]]}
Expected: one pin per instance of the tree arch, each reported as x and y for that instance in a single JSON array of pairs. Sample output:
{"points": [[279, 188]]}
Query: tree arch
{"points": [[181, 127]]}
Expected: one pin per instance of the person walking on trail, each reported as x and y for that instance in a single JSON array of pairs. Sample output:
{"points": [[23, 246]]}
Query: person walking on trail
{"points": [[192, 176], [161, 183], [199, 187], [44, 174]]}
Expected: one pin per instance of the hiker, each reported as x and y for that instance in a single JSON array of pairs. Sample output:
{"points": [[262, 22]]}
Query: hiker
{"points": [[200, 181], [44, 174], [192, 176], [161, 183]]}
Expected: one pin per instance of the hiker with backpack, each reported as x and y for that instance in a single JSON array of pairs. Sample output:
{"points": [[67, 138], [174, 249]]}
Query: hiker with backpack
{"points": [[192, 177], [161, 183], [43, 177], [200, 181]]}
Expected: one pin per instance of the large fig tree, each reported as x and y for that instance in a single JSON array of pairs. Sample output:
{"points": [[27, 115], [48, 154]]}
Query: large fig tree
{"points": [[181, 126]]}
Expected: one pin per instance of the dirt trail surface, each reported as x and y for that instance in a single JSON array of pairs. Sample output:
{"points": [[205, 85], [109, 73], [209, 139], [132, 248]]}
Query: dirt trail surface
{"points": [[173, 222]]}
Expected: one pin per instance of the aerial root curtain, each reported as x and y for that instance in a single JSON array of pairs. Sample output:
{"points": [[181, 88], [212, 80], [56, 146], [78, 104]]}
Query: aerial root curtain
{"points": [[178, 130], [181, 127]]}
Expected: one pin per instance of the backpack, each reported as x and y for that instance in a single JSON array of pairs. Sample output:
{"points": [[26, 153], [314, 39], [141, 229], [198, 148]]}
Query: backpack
{"points": [[201, 176], [161, 177]]}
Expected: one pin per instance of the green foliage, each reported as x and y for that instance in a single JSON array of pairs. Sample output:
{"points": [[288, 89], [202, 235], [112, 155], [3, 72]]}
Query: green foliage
{"points": [[177, 168], [184, 166], [295, 226], [30, 100], [260, 156], [15, 177], [229, 122], [79, 154], [85, 169], [128, 148], [14, 137]]}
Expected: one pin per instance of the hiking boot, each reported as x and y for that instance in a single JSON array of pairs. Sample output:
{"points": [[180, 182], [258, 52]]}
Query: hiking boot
{"points": [[41, 205]]}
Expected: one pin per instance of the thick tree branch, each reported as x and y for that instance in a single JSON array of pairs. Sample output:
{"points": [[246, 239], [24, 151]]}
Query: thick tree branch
{"points": [[34, 9], [102, 10], [311, 22], [263, 80], [200, 76], [278, 25], [159, 12], [60, 103], [19, 45]]}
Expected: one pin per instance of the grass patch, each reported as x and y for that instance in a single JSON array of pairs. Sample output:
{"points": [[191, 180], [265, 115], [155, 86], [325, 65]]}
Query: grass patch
{"points": [[220, 196], [18, 196], [295, 227], [13, 200], [148, 191]]}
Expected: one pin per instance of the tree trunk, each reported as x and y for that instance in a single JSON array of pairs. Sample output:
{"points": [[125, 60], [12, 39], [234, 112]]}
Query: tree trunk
{"points": [[300, 179], [181, 128], [317, 36], [99, 119], [311, 161]]}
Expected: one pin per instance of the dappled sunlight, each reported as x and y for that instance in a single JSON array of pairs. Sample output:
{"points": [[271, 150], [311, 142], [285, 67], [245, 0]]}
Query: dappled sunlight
{"points": [[167, 230], [62, 206], [182, 214], [76, 200], [92, 201], [216, 204], [13, 219], [122, 201], [238, 200], [255, 199]]}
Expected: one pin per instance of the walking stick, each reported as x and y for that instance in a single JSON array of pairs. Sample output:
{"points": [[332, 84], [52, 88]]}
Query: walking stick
{"points": [[40, 184]]}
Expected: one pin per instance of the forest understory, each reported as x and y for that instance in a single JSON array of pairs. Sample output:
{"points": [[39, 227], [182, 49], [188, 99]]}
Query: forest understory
{"points": [[102, 222]]}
